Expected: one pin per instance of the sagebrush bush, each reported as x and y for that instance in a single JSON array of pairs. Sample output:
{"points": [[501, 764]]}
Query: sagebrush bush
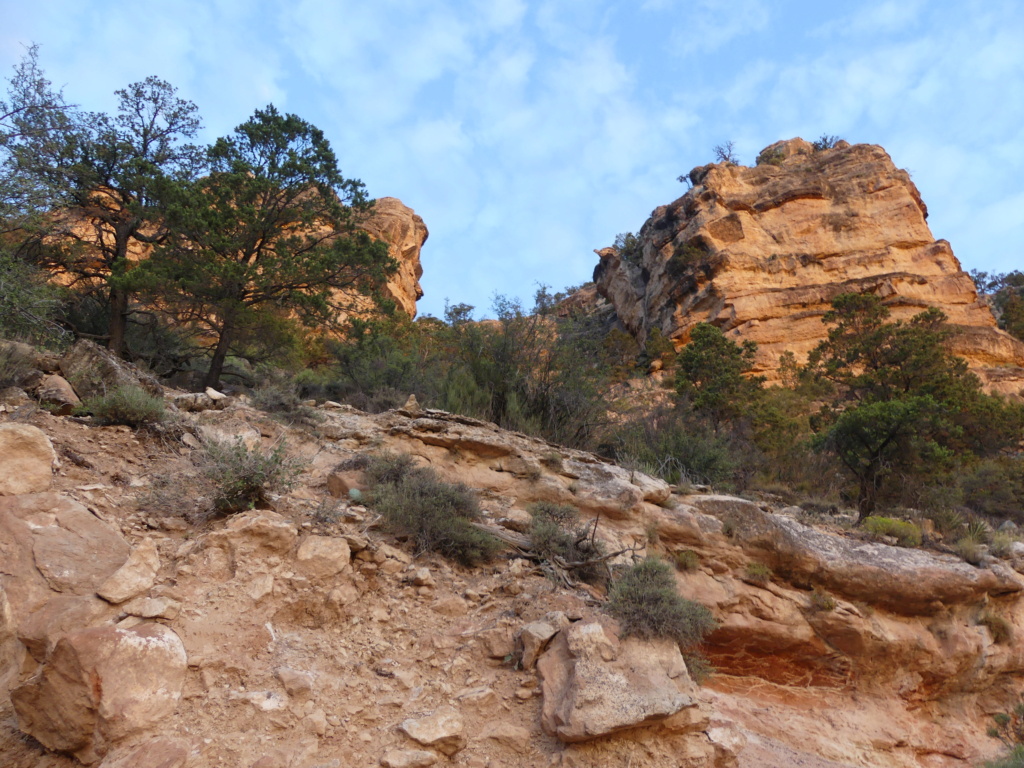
{"points": [[557, 535], [242, 477], [687, 560], [821, 600], [907, 534], [128, 405], [436, 515], [970, 550], [757, 572], [645, 602]]}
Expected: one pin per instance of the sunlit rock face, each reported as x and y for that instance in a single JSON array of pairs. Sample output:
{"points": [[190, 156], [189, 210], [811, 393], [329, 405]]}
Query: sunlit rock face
{"points": [[762, 251]]}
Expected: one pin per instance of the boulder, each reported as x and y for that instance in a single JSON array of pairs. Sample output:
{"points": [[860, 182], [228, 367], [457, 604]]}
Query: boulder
{"points": [[595, 684], [93, 371], [55, 391], [40, 630], [443, 730], [100, 686], [322, 557], [135, 576], [533, 637], [341, 483], [26, 459], [248, 539], [76, 551]]}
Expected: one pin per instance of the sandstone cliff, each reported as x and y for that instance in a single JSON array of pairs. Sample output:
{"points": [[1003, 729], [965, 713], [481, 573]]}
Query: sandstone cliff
{"points": [[762, 251], [405, 233]]}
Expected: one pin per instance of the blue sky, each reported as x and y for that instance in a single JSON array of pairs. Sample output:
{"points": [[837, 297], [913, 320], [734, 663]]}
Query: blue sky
{"points": [[527, 134]]}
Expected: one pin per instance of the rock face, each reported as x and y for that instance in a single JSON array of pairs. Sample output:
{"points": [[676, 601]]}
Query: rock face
{"points": [[595, 684], [405, 233], [100, 686], [26, 459], [761, 252]]}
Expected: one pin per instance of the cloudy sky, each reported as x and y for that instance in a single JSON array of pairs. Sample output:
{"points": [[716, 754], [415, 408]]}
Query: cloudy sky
{"points": [[527, 133]]}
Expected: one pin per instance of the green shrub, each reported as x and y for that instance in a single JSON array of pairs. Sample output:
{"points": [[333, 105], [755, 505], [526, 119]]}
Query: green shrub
{"points": [[1015, 759], [242, 478], [128, 405], [1001, 544], [907, 534], [645, 602], [278, 394], [771, 156], [558, 536], [1000, 629], [825, 142], [822, 600], [687, 560], [970, 550], [436, 515], [759, 573]]}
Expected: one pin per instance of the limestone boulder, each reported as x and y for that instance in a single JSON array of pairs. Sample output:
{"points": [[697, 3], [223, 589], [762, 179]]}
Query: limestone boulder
{"points": [[408, 758], [134, 577], [595, 683], [26, 459], [443, 729], [93, 371], [248, 539], [100, 686]]}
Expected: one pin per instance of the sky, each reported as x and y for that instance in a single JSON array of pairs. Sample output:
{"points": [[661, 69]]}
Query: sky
{"points": [[527, 134]]}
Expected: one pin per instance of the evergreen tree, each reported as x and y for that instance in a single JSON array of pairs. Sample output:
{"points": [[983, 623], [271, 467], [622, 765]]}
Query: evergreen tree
{"points": [[273, 225]]}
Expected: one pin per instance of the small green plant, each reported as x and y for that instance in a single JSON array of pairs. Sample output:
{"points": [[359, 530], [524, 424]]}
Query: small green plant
{"points": [[436, 515], [1008, 727], [558, 536], [821, 600], [729, 528], [907, 534], [948, 521], [128, 405], [552, 460], [278, 394], [645, 602], [242, 477], [629, 247], [771, 156], [687, 560], [759, 573], [999, 628], [970, 550], [1002, 544], [978, 531], [825, 142], [326, 511]]}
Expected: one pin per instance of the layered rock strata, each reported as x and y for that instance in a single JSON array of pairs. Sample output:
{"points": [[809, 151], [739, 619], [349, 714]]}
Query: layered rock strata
{"points": [[762, 251]]}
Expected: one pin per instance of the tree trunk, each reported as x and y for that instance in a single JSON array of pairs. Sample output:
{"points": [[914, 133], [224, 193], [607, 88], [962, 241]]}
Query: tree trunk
{"points": [[866, 496], [117, 322], [220, 354]]}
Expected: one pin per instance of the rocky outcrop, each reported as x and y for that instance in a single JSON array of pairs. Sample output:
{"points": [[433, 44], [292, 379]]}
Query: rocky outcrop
{"points": [[26, 459], [405, 233], [595, 683], [101, 685], [762, 251]]}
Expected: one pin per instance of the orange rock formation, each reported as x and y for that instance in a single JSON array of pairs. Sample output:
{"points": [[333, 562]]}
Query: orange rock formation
{"points": [[762, 251]]}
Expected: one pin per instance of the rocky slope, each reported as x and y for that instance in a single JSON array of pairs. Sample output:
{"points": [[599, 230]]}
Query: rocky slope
{"points": [[762, 251], [302, 635]]}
